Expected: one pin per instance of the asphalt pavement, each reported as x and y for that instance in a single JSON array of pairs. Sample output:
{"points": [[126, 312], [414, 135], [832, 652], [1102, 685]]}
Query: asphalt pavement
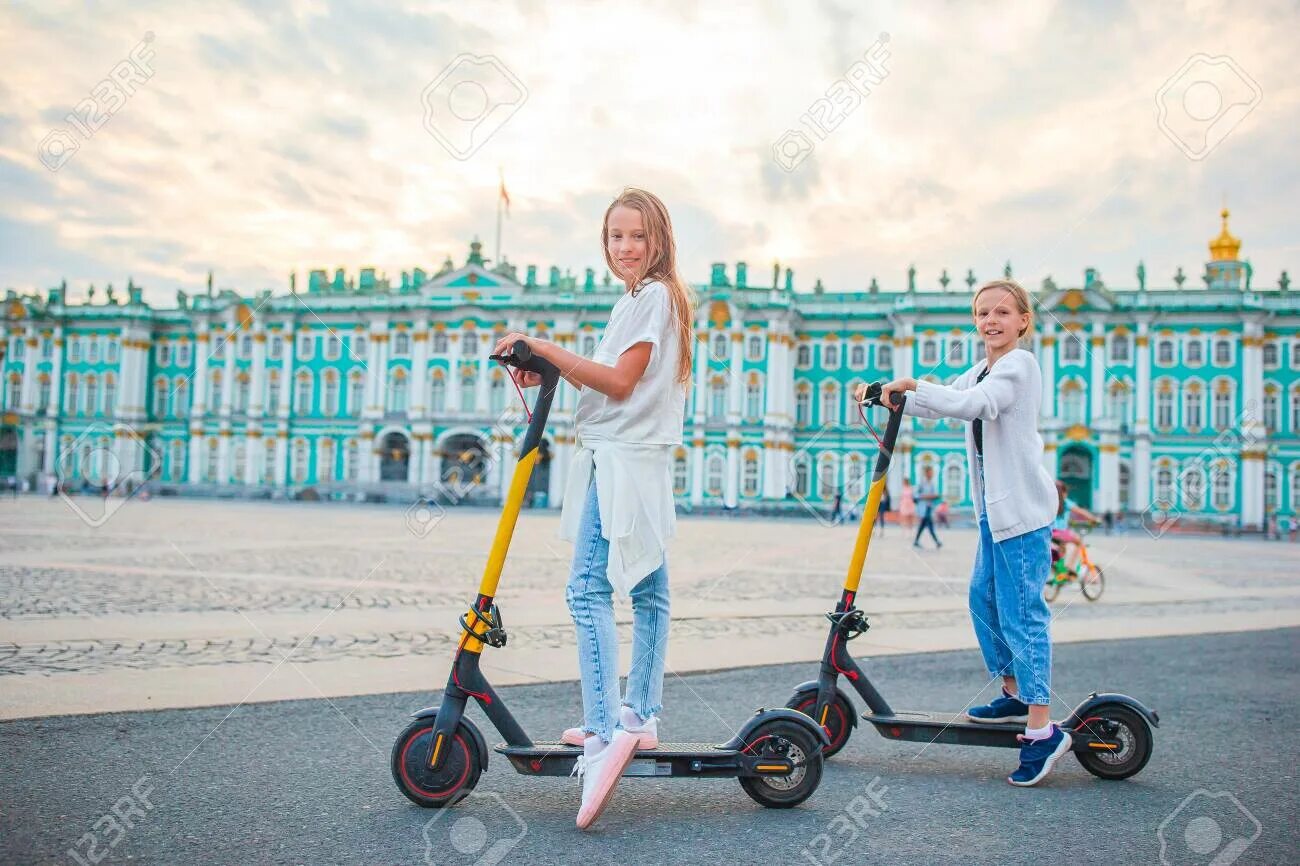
{"points": [[308, 781]]}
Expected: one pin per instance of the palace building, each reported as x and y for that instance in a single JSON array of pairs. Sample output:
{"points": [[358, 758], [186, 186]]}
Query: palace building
{"points": [[1182, 397]]}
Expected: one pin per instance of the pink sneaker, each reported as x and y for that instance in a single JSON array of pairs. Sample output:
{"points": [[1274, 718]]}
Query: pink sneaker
{"points": [[601, 774], [647, 734]]}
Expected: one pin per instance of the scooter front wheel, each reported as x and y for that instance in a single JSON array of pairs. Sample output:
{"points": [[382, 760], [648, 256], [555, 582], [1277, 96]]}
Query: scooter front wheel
{"points": [[839, 718], [450, 783], [784, 739]]}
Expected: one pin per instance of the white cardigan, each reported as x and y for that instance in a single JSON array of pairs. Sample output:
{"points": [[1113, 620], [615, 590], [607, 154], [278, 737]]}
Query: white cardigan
{"points": [[1021, 494]]}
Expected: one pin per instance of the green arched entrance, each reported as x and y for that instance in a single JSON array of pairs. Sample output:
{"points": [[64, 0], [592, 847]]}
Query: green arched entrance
{"points": [[1075, 469]]}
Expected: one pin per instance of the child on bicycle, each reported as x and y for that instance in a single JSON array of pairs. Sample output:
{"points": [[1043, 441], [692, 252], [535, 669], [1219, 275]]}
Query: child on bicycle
{"points": [[1065, 541], [1016, 503]]}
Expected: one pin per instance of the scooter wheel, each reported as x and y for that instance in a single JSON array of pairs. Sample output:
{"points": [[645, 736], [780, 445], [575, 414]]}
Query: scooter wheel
{"points": [[1115, 722], [839, 718], [1093, 583], [451, 782], [778, 739]]}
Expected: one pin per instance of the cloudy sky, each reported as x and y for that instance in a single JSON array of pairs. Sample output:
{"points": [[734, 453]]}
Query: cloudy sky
{"points": [[259, 141]]}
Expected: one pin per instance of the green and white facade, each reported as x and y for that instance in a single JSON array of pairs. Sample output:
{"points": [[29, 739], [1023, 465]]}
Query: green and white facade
{"points": [[1180, 397]]}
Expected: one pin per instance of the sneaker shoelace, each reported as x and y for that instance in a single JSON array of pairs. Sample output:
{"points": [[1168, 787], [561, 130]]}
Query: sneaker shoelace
{"points": [[579, 767]]}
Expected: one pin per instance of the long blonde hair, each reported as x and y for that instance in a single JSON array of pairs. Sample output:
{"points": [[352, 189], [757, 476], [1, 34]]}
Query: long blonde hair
{"points": [[1023, 302], [660, 264]]}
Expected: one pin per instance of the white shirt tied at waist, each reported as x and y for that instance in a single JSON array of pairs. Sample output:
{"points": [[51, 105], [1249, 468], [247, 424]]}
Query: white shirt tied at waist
{"points": [[637, 516]]}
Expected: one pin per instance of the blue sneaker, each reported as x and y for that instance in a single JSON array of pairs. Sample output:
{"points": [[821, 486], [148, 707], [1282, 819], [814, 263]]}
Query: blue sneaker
{"points": [[1038, 756], [1005, 710]]}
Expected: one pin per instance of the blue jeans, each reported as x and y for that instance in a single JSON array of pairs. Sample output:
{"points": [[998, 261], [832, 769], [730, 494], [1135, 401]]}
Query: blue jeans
{"points": [[1012, 620], [590, 598]]}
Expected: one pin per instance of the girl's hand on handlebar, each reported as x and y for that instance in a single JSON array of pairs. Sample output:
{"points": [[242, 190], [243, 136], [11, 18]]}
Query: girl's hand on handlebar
{"points": [[898, 386], [860, 393], [504, 344], [526, 378]]}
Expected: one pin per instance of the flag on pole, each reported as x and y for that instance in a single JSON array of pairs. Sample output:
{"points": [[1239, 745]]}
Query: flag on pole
{"points": [[505, 196]]}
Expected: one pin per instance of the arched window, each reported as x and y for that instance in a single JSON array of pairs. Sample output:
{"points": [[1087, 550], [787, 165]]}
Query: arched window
{"points": [[855, 473], [469, 342], [272, 391], [1164, 405], [325, 453], [110, 394], [352, 460], [754, 397], [356, 393], [831, 355], [749, 474], [1164, 351], [176, 460], [357, 347], [1072, 400], [1222, 352], [803, 357], [1272, 414], [1272, 486], [181, 396], [160, 397], [754, 348], [1193, 487], [827, 475], [468, 386], [302, 400], [802, 404], [214, 390], [271, 465], [830, 408], [497, 393], [401, 343], [1193, 406], [714, 472], [885, 357], [719, 346], [1221, 486], [397, 390], [680, 472], [1164, 498], [330, 393], [92, 396], [718, 399], [240, 460], [243, 389], [299, 461], [1222, 405], [954, 481], [1194, 351], [15, 394], [857, 356], [210, 465], [437, 392], [801, 475], [439, 342], [43, 394], [588, 345]]}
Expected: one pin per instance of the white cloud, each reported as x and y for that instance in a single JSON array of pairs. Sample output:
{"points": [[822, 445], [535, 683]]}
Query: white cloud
{"points": [[284, 138]]}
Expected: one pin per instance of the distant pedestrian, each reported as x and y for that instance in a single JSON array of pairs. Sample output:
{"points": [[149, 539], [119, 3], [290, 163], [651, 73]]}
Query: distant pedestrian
{"points": [[907, 505], [926, 496], [837, 510], [941, 515], [882, 513]]}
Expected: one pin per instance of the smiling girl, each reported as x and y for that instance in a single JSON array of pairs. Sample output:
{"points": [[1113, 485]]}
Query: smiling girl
{"points": [[618, 500], [1016, 500]]}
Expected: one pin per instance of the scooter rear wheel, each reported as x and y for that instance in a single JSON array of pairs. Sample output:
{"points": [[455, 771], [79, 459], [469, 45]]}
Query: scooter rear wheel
{"points": [[781, 738], [1115, 722], [839, 718], [451, 782]]}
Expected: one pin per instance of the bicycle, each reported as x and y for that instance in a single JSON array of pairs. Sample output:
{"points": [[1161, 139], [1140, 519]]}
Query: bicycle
{"points": [[1090, 577]]}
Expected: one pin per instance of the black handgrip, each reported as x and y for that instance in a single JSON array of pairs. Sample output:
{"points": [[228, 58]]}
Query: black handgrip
{"points": [[521, 356], [872, 397]]}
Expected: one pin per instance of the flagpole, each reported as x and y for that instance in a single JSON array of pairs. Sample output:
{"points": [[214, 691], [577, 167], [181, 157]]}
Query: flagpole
{"points": [[501, 178]]}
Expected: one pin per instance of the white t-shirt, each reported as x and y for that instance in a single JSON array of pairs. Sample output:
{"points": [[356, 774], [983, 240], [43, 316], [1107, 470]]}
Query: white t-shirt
{"points": [[653, 414]]}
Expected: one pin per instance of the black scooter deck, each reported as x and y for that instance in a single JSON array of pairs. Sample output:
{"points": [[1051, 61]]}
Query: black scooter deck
{"points": [[954, 728], [670, 759]]}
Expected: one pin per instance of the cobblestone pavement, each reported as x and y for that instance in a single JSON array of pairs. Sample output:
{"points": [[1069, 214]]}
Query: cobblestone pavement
{"points": [[171, 587]]}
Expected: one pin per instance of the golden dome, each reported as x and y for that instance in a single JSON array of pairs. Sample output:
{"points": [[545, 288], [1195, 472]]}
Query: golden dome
{"points": [[1225, 246]]}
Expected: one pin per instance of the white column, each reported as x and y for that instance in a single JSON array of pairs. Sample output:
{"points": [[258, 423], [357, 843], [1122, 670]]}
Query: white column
{"points": [[1254, 436], [381, 343], [229, 337], [1140, 471], [56, 376], [701, 378], [697, 471], [484, 344], [281, 475], [287, 362], [1047, 363], [1097, 377], [199, 402], [258, 380], [31, 356], [731, 486], [255, 459], [736, 381], [428, 463], [1108, 476], [419, 380], [453, 371]]}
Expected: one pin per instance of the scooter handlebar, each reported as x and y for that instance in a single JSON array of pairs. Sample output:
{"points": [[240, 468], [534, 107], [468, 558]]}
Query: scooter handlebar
{"points": [[873, 396], [521, 355]]}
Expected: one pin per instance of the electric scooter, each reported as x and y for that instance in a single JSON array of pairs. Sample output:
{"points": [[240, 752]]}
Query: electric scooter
{"points": [[1112, 733], [438, 759]]}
